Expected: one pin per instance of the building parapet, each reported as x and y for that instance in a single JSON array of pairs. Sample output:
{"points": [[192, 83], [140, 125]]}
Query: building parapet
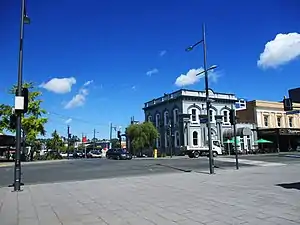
{"points": [[191, 93]]}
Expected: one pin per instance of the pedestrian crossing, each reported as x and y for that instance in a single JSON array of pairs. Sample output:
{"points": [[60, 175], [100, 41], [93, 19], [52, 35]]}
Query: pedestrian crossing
{"points": [[250, 162]]}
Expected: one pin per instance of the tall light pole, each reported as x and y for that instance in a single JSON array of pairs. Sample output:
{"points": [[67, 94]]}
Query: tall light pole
{"points": [[17, 170], [208, 101]]}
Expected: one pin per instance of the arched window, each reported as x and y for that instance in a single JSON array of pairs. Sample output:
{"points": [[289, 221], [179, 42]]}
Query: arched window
{"points": [[158, 142], [195, 138], [225, 116], [157, 120], [194, 115], [166, 118], [175, 116], [212, 115], [166, 140], [177, 139], [149, 118]]}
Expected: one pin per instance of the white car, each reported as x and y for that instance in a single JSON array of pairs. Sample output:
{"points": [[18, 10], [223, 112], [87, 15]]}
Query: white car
{"points": [[94, 154], [65, 155]]}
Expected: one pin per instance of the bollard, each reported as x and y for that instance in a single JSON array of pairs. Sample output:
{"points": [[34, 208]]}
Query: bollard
{"points": [[155, 153]]}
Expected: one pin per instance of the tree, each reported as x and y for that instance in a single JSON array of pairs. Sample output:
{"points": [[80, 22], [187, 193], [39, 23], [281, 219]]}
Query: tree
{"points": [[115, 143], [142, 136], [55, 143], [33, 122]]}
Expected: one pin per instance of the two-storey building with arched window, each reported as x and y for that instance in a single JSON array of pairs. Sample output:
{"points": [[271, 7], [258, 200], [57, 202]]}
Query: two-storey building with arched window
{"points": [[181, 119]]}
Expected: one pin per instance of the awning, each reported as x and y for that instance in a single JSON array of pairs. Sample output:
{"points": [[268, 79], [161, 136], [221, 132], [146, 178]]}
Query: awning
{"points": [[242, 131]]}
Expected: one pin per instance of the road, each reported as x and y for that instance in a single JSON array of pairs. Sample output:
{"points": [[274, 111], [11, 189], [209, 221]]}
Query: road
{"points": [[85, 169]]}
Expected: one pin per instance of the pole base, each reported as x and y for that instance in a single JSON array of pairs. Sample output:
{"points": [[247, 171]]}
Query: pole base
{"points": [[17, 190], [12, 185]]}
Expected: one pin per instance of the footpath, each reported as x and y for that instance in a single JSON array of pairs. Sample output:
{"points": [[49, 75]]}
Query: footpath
{"points": [[250, 195]]}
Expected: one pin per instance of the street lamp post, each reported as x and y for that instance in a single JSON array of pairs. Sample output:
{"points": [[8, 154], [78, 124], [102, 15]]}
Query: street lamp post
{"points": [[17, 169], [208, 101]]}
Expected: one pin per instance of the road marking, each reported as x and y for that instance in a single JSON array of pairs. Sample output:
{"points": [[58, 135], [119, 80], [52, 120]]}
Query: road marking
{"points": [[251, 162], [5, 164]]}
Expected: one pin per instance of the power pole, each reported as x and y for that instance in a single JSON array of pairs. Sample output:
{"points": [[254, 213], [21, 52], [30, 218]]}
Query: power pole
{"points": [[94, 139], [110, 131], [68, 150]]}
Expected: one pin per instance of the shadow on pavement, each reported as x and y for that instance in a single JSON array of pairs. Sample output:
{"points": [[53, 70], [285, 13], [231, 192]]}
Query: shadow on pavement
{"points": [[290, 185], [175, 168]]}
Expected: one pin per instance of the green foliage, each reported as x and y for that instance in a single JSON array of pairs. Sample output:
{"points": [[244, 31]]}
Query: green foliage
{"points": [[115, 143], [55, 143], [33, 121], [142, 135]]}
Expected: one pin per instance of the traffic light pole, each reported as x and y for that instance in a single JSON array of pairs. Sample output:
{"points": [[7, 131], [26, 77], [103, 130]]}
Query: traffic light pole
{"points": [[94, 140], [235, 142], [208, 102], [68, 149], [17, 169]]}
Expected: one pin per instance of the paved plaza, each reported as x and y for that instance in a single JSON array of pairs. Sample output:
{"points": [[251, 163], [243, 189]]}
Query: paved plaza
{"points": [[248, 196]]}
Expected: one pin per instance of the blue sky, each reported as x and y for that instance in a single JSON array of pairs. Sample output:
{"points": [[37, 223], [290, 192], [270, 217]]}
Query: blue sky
{"points": [[104, 49]]}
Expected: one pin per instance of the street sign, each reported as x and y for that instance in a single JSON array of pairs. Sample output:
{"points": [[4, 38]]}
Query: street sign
{"points": [[293, 112]]}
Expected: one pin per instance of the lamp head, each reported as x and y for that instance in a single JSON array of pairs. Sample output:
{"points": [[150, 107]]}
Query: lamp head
{"points": [[26, 19], [188, 49]]}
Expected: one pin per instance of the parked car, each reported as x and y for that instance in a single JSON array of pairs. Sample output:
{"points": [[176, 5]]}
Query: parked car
{"points": [[118, 154], [65, 154], [78, 154], [94, 154]]}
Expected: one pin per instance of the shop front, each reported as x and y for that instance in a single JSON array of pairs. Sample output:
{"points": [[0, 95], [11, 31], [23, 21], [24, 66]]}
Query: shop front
{"points": [[283, 139]]}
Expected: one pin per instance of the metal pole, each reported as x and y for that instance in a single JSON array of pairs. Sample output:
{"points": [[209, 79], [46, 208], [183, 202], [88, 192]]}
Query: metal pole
{"points": [[68, 150], [17, 170], [94, 139], [235, 145], [110, 132], [211, 166]]}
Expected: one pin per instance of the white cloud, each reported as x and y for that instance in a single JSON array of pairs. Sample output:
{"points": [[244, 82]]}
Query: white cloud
{"points": [[162, 53], [68, 121], [59, 85], [88, 83], [191, 77], [151, 72], [80, 98], [283, 49]]}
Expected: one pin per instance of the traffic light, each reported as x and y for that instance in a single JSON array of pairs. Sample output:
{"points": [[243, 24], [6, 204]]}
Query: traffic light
{"points": [[119, 134], [232, 117], [287, 104], [13, 122]]}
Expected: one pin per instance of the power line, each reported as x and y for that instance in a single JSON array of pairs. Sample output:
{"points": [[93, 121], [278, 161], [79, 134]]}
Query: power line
{"points": [[79, 120]]}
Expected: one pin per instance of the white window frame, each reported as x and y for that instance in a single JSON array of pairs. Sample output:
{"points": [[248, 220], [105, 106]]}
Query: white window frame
{"points": [[291, 122], [195, 138], [227, 116], [175, 116], [166, 139], [149, 119], [158, 142], [166, 118], [192, 118], [157, 120], [212, 115], [177, 137], [264, 120], [279, 121]]}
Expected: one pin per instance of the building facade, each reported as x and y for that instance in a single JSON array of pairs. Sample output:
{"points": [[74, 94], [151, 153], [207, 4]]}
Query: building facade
{"points": [[180, 118], [273, 123]]}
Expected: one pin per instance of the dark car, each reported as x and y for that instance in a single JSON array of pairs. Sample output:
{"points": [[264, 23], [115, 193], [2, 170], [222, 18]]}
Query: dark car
{"points": [[118, 154]]}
